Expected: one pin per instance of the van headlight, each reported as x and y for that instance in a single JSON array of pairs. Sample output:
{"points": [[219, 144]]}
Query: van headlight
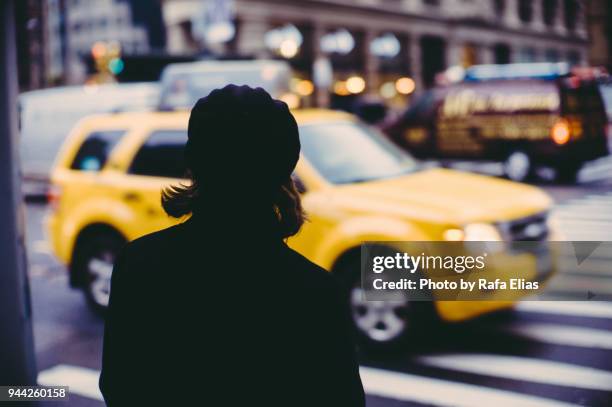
{"points": [[473, 232]]}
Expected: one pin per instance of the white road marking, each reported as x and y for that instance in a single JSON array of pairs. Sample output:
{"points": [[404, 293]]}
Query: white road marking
{"points": [[592, 309], [407, 387], [80, 380], [524, 369], [383, 383], [566, 335]]}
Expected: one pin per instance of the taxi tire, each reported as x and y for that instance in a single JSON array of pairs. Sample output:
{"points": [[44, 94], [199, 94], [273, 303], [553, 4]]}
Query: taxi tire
{"points": [[421, 319], [88, 248], [567, 173]]}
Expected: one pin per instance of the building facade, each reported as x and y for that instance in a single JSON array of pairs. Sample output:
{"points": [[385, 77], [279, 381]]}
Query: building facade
{"points": [[382, 40], [599, 25]]}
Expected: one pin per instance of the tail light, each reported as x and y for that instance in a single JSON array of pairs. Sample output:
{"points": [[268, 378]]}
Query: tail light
{"points": [[560, 132], [54, 194]]}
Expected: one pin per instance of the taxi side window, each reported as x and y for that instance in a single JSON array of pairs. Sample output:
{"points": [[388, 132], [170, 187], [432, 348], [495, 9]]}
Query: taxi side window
{"points": [[162, 155], [96, 148]]}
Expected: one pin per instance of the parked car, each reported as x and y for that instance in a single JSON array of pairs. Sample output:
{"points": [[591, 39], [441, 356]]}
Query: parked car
{"points": [[357, 186], [523, 115], [48, 115], [184, 83]]}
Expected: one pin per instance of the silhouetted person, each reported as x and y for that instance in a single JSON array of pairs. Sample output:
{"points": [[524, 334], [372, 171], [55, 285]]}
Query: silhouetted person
{"points": [[218, 311]]}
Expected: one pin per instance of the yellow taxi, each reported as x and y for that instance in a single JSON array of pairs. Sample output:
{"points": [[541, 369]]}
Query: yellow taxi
{"points": [[356, 186]]}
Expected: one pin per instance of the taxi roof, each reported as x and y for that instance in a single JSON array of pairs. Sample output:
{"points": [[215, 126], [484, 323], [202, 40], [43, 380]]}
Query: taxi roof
{"points": [[303, 116]]}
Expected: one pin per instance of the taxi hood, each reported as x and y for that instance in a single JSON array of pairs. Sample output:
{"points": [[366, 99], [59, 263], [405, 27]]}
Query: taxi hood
{"points": [[445, 196]]}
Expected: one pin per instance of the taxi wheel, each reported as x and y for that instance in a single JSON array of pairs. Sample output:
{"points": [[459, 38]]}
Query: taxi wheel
{"points": [[518, 166], [384, 326], [567, 173], [95, 257]]}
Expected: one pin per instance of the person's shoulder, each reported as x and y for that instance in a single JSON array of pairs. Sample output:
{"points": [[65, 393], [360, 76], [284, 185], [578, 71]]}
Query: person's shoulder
{"points": [[306, 269], [152, 243]]}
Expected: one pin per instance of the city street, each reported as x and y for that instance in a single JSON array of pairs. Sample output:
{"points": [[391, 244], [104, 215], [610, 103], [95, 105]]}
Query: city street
{"points": [[540, 354]]}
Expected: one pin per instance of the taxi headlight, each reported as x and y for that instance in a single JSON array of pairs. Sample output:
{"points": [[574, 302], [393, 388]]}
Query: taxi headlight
{"points": [[473, 232], [481, 232], [483, 236]]}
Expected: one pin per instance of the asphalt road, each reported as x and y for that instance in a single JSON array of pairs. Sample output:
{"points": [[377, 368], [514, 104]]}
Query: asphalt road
{"points": [[540, 354]]}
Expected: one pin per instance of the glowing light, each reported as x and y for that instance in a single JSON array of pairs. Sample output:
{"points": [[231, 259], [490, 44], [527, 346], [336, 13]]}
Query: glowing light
{"points": [[560, 132], [291, 99], [340, 88], [285, 40], [454, 74], [341, 42], [98, 50], [405, 85], [288, 48], [220, 32], [115, 65], [385, 46], [387, 90], [355, 84], [454, 235], [304, 87]]}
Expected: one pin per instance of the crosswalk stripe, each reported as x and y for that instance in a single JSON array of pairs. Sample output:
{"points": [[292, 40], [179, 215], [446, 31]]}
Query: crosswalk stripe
{"points": [[396, 385], [524, 369], [407, 387], [558, 334], [80, 380], [591, 309]]}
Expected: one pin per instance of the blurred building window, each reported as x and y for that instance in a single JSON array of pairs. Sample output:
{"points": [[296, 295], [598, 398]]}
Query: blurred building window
{"points": [[525, 10], [572, 8], [432, 2], [528, 54], [552, 55], [95, 150], [433, 59], [162, 155], [549, 11], [501, 53], [499, 7], [573, 57]]}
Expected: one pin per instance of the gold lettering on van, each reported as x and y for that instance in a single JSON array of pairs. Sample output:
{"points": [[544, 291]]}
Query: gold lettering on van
{"points": [[466, 102]]}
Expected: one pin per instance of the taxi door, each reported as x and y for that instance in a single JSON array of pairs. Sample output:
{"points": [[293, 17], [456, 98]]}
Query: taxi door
{"points": [[157, 162]]}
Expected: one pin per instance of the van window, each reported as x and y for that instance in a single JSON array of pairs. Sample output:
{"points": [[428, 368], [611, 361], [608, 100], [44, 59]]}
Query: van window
{"points": [[162, 155], [96, 148]]}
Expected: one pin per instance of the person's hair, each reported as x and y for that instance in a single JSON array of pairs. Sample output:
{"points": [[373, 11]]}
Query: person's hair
{"points": [[232, 131], [181, 200]]}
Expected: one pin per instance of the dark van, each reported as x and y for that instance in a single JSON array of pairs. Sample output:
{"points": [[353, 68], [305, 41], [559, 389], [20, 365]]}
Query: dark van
{"points": [[523, 115]]}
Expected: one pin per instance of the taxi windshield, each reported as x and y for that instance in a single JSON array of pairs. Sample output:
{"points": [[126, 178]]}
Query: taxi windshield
{"points": [[346, 152]]}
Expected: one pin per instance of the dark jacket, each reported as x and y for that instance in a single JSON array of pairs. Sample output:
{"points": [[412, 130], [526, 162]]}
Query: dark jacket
{"points": [[203, 315]]}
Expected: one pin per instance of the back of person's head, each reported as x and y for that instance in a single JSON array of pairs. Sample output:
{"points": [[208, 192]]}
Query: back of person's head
{"points": [[241, 151]]}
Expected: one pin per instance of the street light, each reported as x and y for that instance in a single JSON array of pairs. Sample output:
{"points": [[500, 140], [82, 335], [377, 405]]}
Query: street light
{"points": [[355, 84], [405, 85], [285, 40]]}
